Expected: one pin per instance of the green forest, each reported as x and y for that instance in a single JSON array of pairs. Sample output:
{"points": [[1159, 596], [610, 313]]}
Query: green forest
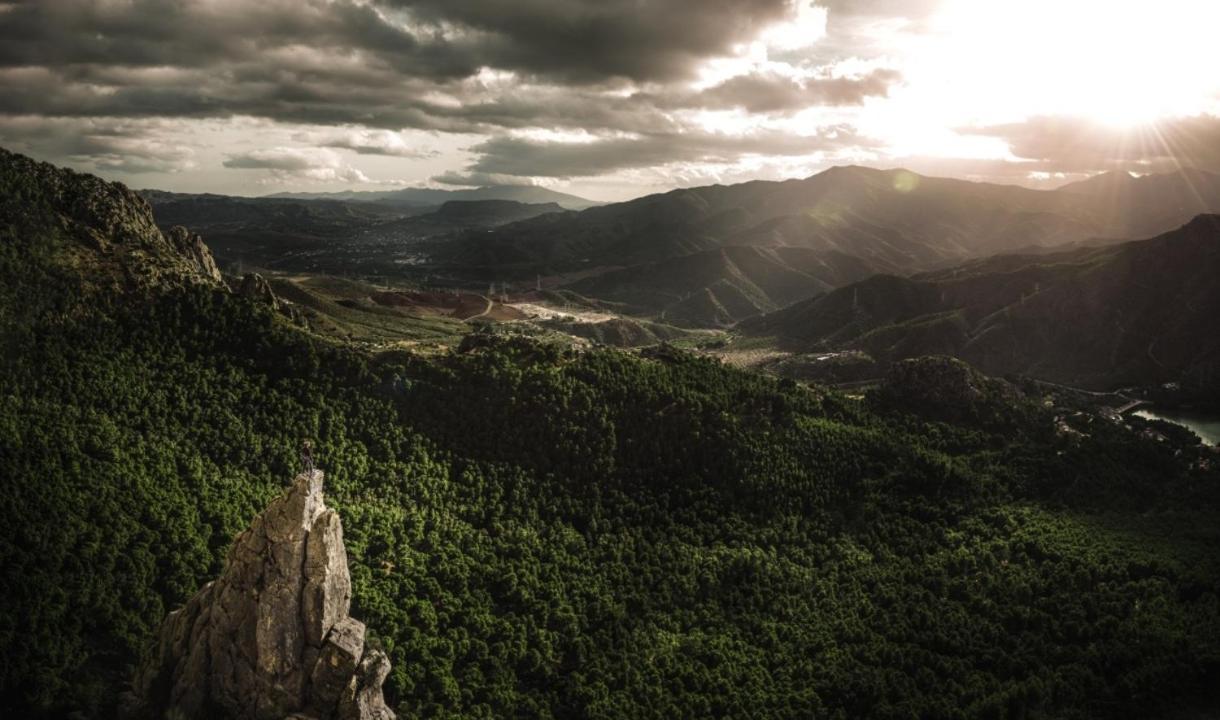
{"points": [[537, 531]]}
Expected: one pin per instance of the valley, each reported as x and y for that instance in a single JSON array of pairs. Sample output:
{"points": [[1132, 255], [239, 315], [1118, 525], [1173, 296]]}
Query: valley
{"points": [[826, 279]]}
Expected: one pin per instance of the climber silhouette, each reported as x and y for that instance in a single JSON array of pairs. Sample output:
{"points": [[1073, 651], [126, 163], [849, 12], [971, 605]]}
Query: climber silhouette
{"points": [[307, 456]]}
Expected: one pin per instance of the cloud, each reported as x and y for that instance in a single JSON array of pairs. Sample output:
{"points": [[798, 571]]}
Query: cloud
{"points": [[482, 179], [101, 144], [387, 64], [592, 41], [289, 163], [363, 72], [772, 93], [1073, 145], [880, 8], [132, 86], [366, 142], [526, 157], [344, 61]]}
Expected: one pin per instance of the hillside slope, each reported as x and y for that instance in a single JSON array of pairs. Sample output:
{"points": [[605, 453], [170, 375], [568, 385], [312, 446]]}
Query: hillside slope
{"points": [[1138, 313], [720, 287], [66, 237]]}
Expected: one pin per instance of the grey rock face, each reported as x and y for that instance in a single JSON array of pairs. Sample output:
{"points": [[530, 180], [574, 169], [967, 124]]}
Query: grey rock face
{"points": [[256, 287], [271, 637], [191, 247]]}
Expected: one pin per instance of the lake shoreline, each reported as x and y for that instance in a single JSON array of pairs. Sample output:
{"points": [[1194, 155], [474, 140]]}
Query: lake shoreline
{"points": [[1204, 424]]}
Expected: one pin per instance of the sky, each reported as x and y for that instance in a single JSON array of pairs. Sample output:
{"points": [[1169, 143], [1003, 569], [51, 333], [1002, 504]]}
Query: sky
{"points": [[608, 99]]}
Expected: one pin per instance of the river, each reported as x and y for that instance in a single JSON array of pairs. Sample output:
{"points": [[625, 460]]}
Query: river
{"points": [[1205, 425]]}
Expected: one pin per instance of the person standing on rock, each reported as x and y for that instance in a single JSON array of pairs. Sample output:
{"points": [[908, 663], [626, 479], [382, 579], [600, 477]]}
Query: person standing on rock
{"points": [[307, 456]]}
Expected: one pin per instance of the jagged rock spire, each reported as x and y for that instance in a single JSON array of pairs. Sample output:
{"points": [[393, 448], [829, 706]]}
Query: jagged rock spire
{"points": [[270, 638]]}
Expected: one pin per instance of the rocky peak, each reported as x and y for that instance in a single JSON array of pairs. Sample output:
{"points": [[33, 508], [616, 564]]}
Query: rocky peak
{"points": [[191, 247], [270, 638], [256, 287]]}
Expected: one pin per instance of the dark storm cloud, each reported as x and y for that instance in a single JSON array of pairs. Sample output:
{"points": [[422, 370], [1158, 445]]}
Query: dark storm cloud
{"points": [[565, 41], [518, 156], [607, 67], [314, 61], [76, 34], [1073, 145], [590, 41]]}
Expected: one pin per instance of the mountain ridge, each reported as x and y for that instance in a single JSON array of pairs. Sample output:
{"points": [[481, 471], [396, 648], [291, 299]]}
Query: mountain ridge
{"points": [[896, 217], [435, 196], [1139, 312]]}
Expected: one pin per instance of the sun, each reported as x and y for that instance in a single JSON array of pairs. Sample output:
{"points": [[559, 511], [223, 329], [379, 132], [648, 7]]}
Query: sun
{"points": [[1118, 62]]}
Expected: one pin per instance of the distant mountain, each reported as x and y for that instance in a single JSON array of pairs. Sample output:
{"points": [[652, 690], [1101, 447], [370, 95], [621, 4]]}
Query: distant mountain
{"points": [[888, 220], [269, 232], [1149, 204], [1136, 313], [892, 215], [320, 218], [427, 197], [462, 214], [325, 234]]}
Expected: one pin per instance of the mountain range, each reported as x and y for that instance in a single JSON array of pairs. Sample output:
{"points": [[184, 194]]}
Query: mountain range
{"points": [[887, 220], [1139, 312], [890, 215], [703, 257], [430, 197]]}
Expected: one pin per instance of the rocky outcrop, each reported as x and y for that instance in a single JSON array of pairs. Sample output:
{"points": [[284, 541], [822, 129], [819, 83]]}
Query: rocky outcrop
{"points": [[256, 287], [99, 230], [271, 638], [191, 247]]}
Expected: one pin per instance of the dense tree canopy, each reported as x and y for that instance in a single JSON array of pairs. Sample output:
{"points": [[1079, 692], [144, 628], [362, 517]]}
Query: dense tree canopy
{"points": [[540, 532]]}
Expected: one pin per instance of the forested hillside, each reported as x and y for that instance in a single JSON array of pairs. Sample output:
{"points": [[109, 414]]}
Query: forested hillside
{"points": [[542, 532]]}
